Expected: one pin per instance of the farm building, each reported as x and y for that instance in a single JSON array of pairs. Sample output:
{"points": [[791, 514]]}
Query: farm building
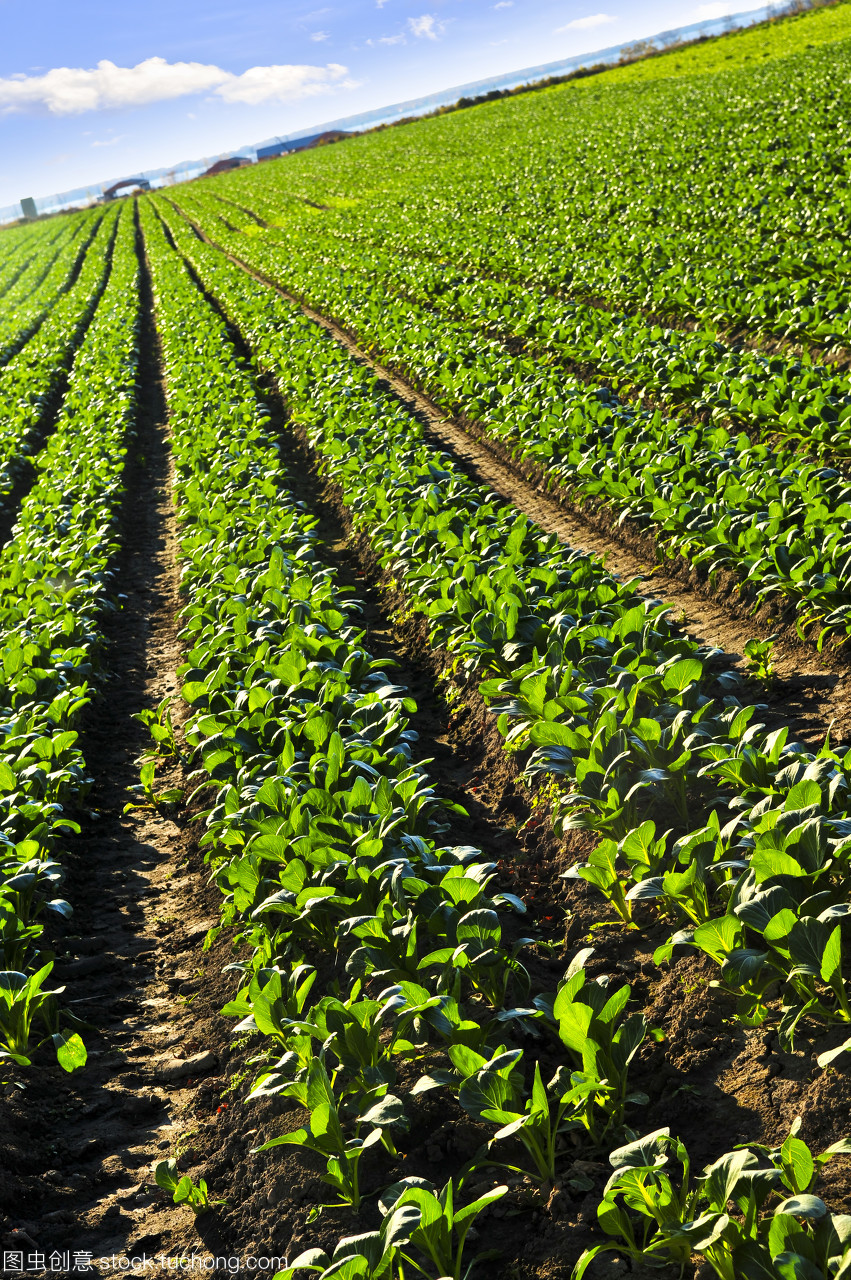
{"points": [[226, 165], [131, 185], [282, 148]]}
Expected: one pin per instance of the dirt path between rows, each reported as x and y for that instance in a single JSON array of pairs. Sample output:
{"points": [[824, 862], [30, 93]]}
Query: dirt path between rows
{"points": [[76, 1189], [810, 690]]}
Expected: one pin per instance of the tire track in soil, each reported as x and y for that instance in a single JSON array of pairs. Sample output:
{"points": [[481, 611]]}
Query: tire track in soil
{"points": [[78, 1149], [810, 691]]}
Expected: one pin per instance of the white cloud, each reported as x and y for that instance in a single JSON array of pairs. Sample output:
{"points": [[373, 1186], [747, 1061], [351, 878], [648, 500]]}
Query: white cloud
{"points": [[109, 142], [72, 90], [318, 36], [714, 10], [504, 4], [586, 24], [427, 27], [388, 40], [278, 84]]}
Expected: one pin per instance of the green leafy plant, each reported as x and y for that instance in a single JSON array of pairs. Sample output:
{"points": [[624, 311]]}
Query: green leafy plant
{"points": [[655, 1220], [184, 1191], [542, 1124], [603, 1043], [759, 656], [160, 726], [23, 1000], [324, 1134], [151, 798], [421, 1230]]}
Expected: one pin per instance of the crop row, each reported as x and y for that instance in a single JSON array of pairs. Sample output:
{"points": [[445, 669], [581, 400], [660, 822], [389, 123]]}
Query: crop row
{"points": [[32, 247], [56, 581], [723, 502], [614, 701], [46, 277], [31, 381], [21, 245], [609, 189], [624, 710], [18, 249], [324, 834], [789, 397]]}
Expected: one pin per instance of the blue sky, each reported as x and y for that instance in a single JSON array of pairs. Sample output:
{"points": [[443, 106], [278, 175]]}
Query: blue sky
{"points": [[90, 90]]}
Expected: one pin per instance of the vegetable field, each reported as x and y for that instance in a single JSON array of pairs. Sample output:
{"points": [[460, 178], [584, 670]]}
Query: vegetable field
{"points": [[425, 790]]}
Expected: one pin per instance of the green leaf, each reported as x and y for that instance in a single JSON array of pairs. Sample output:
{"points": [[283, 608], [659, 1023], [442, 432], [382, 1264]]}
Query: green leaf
{"points": [[766, 863], [679, 676], [722, 1178], [803, 1206], [552, 733], [71, 1053], [166, 1175], [798, 1164], [832, 959], [718, 937]]}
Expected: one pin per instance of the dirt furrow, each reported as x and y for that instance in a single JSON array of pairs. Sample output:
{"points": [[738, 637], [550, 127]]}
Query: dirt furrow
{"points": [[75, 1178], [810, 690]]}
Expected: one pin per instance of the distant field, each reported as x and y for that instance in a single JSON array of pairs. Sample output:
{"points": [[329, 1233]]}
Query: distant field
{"points": [[426, 776]]}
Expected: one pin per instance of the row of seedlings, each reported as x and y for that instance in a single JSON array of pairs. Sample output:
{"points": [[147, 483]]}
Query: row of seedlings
{"points": [[28, 257], [696, 369], [36, 292], [607, 722], [32, 381], [56, 581], [599, 682], [18, 246], [721, 501]]}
